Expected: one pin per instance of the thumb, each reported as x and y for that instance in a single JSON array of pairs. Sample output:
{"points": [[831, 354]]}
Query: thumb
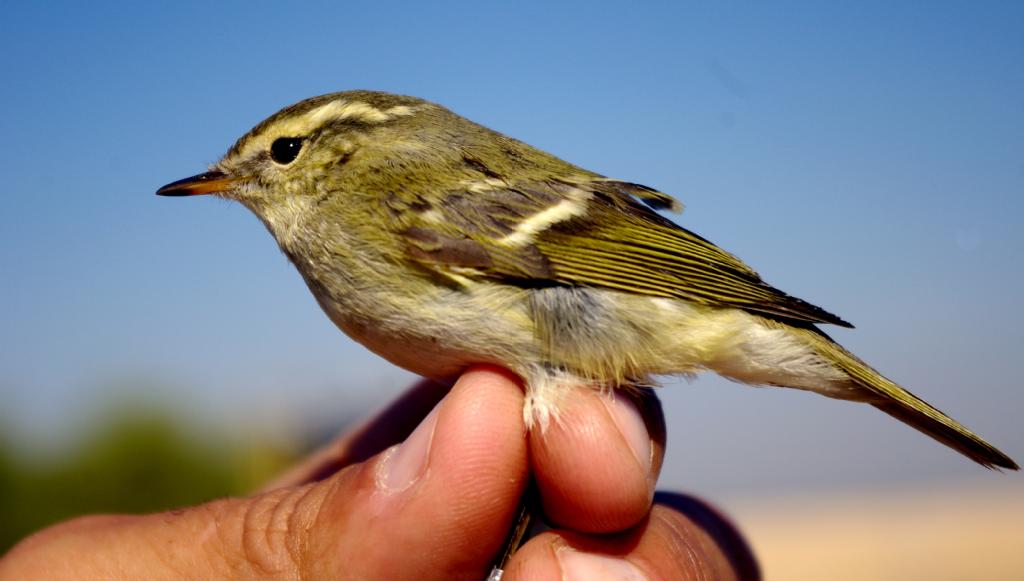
{"points": [[436, 506]]}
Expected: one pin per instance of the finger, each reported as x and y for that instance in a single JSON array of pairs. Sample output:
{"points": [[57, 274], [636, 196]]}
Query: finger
{"points": [[683, 539], [437, 506], [390, 426], [440, 504], [716, 529], [597, 464]]}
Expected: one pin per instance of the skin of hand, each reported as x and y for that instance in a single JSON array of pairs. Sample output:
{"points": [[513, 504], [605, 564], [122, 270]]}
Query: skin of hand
{"points": [[427, 490]]}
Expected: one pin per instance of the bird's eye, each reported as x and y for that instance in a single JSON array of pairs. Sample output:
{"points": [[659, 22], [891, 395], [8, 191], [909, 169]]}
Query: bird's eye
{"points": [[284, 150]]}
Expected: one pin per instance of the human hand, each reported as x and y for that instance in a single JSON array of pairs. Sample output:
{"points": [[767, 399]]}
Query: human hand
{"points": [[437, 506]]}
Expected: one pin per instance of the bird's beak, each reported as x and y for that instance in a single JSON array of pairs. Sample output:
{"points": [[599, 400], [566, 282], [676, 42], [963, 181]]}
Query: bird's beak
{"points": [[211, 182]]}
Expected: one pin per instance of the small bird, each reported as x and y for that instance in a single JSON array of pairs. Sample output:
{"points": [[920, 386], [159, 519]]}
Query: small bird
{"points": [[439, 243]]}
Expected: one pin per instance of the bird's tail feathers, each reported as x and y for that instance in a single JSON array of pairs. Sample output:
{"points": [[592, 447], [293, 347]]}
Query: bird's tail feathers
{"points": [[910, 409]]}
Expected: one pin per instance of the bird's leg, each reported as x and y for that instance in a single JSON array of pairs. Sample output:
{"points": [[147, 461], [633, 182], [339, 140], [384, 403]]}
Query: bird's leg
{"points": [[527, 513]]}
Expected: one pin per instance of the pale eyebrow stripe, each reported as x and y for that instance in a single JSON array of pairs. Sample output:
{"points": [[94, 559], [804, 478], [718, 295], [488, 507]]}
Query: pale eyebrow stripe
{"points": [[306, 123]]}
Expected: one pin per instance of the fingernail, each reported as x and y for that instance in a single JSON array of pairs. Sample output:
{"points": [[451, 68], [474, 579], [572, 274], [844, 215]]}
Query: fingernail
{"points": [[631, 425], [577, 566], [404, 463]]}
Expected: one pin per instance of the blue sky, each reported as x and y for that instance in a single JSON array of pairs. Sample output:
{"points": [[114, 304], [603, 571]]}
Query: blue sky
{"points": [[863, 156]]}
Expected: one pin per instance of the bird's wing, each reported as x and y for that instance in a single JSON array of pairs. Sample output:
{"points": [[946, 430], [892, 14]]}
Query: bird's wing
{"points": [[593, 232]]}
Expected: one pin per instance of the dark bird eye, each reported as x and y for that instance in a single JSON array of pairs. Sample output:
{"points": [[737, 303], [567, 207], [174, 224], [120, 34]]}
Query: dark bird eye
{"points": [[284, 150]]}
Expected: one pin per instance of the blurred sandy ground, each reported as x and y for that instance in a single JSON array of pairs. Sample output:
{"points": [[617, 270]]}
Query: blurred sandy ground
{"points": [[946, 531]]}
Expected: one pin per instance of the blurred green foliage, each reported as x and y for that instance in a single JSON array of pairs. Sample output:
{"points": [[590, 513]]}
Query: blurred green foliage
{"points": [[134, 461]]}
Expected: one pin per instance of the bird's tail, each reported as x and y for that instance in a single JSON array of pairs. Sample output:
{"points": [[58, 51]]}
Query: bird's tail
{"points": [[908, 408]]}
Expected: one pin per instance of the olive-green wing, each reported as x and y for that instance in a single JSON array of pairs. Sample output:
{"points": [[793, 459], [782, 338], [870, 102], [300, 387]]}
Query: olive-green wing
{"points": [[591, 232]]}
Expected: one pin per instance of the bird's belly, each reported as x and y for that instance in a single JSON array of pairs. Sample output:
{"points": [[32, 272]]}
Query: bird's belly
{"points": [[427, 355], [603, 338], [437, 333]]}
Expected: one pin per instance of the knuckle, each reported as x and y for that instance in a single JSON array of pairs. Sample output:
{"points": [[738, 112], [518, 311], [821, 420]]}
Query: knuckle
{"points": [[265, 536]]}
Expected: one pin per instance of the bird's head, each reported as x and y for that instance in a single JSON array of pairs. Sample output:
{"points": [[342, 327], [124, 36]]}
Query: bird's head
{"points": [[355, 145]]}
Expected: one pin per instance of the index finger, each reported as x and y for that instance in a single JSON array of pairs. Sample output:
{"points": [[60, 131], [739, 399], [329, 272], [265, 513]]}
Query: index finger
{"points": [[597, 464]]}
